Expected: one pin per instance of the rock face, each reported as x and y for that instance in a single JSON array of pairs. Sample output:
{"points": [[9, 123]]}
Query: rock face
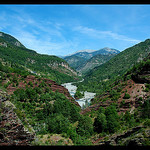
{"points": [[12, 131], [132, 137]]}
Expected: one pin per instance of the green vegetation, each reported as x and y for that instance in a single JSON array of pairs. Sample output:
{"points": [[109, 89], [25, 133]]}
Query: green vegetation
{"points": [[51, 113], [99, 79], [18, 58], [126, 96], [78, 94]]}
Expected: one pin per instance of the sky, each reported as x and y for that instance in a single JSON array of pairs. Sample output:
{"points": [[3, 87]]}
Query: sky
{"points": [[64, 29]]}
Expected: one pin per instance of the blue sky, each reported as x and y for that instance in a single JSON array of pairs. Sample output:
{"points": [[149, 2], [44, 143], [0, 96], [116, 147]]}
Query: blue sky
{"points": [[65, 29]]}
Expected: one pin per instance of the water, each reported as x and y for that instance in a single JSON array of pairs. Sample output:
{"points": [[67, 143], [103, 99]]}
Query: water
{"points": [[72, 90]]}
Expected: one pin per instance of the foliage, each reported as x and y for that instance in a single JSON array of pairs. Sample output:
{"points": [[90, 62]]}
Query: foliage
{"points": [[101, 77], [19, 59], [57, 123], [85, 126], [100, 123], [78, 94], [146, 109], [126, 96]]}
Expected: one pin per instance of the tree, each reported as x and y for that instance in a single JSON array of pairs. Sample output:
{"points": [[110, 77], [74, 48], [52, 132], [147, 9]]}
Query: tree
{"points": [[112, 118], [100, 123], [146, 109], [57, 123], [85, 126], [101, 110], [126, 96]]}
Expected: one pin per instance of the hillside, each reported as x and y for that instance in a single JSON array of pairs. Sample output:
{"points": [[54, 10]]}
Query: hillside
{"points": [[48, 66], [10, 39], [35, 110], [75, 61], [130, 96], [99, 77], [28, 104], [93, 62], [84, 60]]}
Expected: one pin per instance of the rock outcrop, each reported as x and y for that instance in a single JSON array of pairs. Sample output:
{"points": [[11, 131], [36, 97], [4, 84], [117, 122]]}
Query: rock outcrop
{"points": [[132, 137], [12, 131]]}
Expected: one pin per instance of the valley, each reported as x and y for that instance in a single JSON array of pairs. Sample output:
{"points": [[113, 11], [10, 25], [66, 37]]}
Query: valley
{"points": [[93, 97]]}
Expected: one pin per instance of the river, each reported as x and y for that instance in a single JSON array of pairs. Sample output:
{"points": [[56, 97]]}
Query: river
{"points": [[72, 90]]}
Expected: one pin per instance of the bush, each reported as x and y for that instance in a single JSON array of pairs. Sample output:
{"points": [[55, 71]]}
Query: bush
{"points": [[147, 123], [146, 109], [126, 96]]}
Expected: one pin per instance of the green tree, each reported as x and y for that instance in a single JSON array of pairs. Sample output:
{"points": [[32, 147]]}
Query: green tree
{"points": [[126, 96], [100, 123], [112, 118], [85, 126], [57, 123], [146, 109]]}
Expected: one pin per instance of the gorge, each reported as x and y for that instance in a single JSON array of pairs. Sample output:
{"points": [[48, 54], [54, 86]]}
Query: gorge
{"points": [[72, 90]]}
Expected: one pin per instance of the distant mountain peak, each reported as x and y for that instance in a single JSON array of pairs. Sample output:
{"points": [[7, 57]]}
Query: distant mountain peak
{"points": [[85, 50], [80, 51], [92, 51]]}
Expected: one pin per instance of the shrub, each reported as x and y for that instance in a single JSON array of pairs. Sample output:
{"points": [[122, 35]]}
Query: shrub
{"points": [[126, 96]]}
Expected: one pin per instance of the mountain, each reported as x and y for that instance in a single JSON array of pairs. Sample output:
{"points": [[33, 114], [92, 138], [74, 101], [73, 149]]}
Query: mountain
{"points": [[13, 53], [96, 78], [87, 53], [81, 58], [75, 61], [31, 104], [93, 62]]}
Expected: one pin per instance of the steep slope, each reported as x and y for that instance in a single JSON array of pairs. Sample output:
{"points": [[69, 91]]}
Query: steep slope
{"points": [[130, 96], [75, 61], [82, 58], [128, 92], [12, 131], [52, 67], [93, 62], [10, 39], [116, 66], [28, 104]]}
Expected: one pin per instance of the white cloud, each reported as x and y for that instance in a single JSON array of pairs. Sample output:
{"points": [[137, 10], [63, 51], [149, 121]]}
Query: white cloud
{"points": [[103, 34]]}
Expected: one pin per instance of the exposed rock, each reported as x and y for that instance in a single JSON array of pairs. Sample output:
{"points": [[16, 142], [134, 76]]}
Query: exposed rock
{"points": [[51, 84], [132, 137], [12, 131], [3, 44]]}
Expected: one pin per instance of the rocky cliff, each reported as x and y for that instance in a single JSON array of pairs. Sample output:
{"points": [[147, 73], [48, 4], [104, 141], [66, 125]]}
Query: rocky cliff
{"points": [[12, 131]]}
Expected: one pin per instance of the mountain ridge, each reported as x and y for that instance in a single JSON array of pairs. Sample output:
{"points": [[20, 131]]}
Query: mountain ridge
{"points": [[44, 65], [79, 58]]}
